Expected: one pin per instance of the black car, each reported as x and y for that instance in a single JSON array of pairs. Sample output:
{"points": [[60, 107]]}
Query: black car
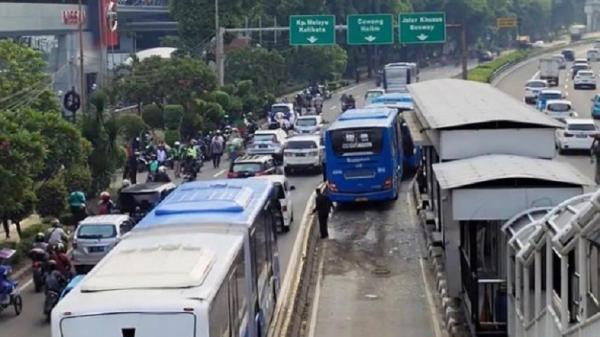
{"points": [[253, 165], [569, 55], [137, 200], [485, 56]]}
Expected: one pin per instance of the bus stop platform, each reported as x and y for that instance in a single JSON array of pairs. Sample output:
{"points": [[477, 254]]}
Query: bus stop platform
{"points": [[373, 279]]}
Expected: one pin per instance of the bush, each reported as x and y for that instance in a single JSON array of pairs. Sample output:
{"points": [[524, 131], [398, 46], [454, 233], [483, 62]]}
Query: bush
{"points": [[222, 98], [190, 124], [132, 126], [171, 136], [153, 116], [52, 196], [485, 71], [173, 115], [78, 178]]}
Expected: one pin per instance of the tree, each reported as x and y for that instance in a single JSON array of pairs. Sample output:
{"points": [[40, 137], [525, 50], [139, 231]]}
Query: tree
{"points": [[317, 63], [23, 79], [267, 69], [131, 126], [152, 115], [52, 197], [21, 155]]}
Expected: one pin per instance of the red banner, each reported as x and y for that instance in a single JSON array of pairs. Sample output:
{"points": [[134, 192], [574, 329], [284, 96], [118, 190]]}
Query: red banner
{"points": [[108, 23]]}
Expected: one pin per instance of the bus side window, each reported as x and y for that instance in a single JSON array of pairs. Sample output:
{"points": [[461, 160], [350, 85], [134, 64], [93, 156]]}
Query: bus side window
{"points": [[236, 295], [218, 320]]}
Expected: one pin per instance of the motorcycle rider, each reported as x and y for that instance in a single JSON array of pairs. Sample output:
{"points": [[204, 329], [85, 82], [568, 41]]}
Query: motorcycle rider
{"points": [[55, 280], [62, 260], [105, 205], [351, 102], [318, 103], [77, 205], [162, 176], [152, 167], [56, 234], [39, 242]]}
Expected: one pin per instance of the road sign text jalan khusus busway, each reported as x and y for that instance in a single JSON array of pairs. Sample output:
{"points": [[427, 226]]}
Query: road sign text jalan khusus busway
{"points": [[312, 29], [370, 29], [422, 27], [506, 22]]}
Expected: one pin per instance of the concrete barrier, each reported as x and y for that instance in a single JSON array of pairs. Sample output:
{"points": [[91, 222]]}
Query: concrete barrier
{"points": [[293, 295]]}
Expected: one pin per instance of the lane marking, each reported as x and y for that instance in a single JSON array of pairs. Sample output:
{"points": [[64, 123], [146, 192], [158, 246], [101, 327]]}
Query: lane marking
{"points": [[26, 285], [333, 107], [536, 75], [432, 308], [316, 299], [219, 173]]}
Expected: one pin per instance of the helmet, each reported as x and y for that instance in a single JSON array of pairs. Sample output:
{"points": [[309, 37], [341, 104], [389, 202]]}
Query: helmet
{"points": [[126, 182], [60, 247], [162, 169], [177, 143], [104, 196], [51, 265], [54, 222], [40, 237]]}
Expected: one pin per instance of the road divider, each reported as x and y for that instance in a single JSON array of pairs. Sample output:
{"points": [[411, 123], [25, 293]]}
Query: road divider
{"points": [[297, 279]]}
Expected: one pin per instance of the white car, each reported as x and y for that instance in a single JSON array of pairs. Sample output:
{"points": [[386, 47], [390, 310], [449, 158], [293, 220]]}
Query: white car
{"points": [[308, 124], [371, 94], [284, 194], [578, 134], [268, 142], [532, 90], [303, 153], [559, 109], [585, 79], [580, 61], [538, 44], [593, 55]]}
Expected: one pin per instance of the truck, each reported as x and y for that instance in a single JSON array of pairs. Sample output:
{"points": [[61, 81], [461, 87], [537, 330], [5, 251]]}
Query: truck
{"points": [[396, 76], [576, 32], [549, 68]]}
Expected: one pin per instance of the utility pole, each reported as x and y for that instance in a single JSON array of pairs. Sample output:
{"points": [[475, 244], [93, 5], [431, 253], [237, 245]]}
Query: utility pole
{"points": [[81, 70], [219, 53]]}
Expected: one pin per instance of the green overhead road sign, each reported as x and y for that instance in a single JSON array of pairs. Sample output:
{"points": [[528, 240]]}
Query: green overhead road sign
{"points": [[312, 29], [422, 27], [370, 29]]}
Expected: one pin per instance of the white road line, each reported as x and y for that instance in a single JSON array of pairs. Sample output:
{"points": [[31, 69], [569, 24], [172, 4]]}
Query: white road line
{"points": [[536, 75], [315, 308], [432, 308], [25, 285], [219, 173], [333, 107]]}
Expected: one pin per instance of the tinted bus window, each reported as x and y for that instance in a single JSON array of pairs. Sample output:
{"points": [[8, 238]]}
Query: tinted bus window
{"points": [[357, 140]]}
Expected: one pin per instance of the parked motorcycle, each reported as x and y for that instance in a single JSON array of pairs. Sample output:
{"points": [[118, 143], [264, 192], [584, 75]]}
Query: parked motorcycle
{"points": [[9, 296]]}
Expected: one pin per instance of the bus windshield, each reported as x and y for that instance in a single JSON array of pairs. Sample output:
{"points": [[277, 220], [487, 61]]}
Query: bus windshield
{"points": [[351, 141]]}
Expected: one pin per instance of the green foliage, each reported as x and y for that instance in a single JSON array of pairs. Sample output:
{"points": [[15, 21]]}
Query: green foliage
{"points": [[191, 123], [316, 63], [173, 115], [52, 197], [222, 98], [23, 80], [152, 115], [171, 136], [79, 178], [266, 69], [131, 126], [484, 72]]}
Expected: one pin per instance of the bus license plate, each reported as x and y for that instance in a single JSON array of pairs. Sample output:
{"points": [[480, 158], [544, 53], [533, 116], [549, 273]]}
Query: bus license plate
{"points": [[361, 199]]}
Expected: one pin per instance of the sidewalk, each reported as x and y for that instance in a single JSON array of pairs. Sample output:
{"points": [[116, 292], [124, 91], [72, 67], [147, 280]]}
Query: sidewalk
{"points": [[14, 236]]}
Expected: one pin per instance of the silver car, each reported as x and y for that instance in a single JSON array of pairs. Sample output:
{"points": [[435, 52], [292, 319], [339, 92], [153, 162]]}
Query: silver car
{"points": [[95, 237]]}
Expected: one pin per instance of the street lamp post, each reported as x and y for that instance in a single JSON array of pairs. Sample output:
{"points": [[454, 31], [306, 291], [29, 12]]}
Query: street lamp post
{"points": [[81, 70]]}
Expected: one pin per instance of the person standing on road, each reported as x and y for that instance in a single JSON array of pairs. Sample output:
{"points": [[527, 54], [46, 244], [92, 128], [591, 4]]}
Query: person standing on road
{"points": [[177, 155], [216, 148], [595, 156], [323, 206]]}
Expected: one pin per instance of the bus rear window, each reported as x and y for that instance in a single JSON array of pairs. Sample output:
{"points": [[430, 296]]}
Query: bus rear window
{"points": [[357, 140]]}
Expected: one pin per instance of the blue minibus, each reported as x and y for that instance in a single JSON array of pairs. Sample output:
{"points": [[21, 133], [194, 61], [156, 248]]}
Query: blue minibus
{"points": [[363, 152], [413, 154]]}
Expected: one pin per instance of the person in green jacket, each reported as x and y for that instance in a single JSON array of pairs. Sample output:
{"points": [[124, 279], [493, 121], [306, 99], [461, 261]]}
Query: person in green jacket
{"points": [[177, 153], [78, 207]]}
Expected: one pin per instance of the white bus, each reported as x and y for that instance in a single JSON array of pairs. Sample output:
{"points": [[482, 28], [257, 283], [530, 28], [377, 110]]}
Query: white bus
{"points": [[203, 263], [396, 76]]}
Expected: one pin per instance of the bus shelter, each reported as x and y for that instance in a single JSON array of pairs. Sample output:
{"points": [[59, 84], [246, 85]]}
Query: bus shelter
{"points": [[456, 119], [559, 268], [477, 196]]}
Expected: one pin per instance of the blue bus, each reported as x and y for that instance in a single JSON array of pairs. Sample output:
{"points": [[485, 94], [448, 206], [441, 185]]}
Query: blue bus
{"points": [[203, 263], [413, 154], [363, 151]]}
